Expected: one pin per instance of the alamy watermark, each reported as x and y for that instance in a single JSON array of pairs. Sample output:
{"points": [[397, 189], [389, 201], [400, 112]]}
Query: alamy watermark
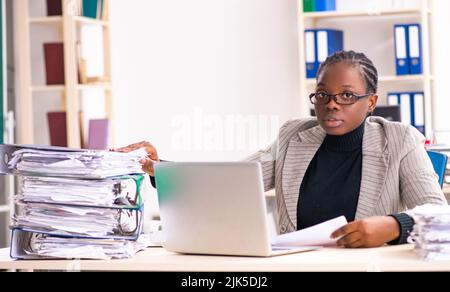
{"points": [[200, 131]]}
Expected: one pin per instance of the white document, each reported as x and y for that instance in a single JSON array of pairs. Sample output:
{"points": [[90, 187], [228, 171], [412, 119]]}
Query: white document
{"points": [[431, 233], [83, 164], [319, 235]]}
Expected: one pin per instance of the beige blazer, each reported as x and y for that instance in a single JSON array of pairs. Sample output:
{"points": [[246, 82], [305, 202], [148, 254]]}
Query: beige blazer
{"points": [[397, 174]]}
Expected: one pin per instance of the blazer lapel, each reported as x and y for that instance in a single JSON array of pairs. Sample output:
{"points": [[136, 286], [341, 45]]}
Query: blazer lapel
{"points": [[374, 169], [299, 154]]}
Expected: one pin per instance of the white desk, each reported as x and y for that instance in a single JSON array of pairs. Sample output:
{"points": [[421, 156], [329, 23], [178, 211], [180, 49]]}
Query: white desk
{"points": [[393, 258]]}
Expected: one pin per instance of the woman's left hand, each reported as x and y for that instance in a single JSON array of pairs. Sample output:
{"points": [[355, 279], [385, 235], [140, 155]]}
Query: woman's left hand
{"points": [[368, 233]]}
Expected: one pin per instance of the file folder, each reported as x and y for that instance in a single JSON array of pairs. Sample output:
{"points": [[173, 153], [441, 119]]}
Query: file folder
{"points": [[74, 221], [328, 42], [310, 54], [27, 245], [124, 192], [415, 49], [404, 100], [401, 49], [418, 110], [319, 44], [309, 5], [412, 108], [393, 99], [325, 5], [68, 163]]}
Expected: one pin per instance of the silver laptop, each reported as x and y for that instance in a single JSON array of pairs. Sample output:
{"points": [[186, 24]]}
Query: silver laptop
{"points": [[215, 208]]}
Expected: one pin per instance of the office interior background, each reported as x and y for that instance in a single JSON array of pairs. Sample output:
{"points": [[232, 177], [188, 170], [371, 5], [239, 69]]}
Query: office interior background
{"points": [[202, 80]]}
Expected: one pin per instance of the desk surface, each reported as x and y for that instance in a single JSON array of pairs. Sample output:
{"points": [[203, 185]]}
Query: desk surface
{"points": [[392, 258]]}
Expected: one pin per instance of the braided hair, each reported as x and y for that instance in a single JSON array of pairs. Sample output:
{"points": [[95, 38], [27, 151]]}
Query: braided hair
{"points": [[366, 67]]}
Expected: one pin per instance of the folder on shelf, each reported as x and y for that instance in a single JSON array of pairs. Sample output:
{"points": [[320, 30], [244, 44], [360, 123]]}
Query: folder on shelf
{"points": [[404, 100], [54, 7], [310, 54], [57, 128], [412, 108], [319, 44], [90, 8], [329, 41], [54, 63], [309, 5], [98, 134], [415, 49], [99, 9], [325, 5], [401, 49], [418, 110], [124, 192]]}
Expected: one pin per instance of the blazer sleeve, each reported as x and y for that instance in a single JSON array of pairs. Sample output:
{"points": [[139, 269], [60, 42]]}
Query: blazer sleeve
{"points": [[418, 181], [267, 159]]}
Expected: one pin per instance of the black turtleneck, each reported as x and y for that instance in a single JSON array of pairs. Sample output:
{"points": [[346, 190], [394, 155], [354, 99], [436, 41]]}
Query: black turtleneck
{"points": [[332, 183]]}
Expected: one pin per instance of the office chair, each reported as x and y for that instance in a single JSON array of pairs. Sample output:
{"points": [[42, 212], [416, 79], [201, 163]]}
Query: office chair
{"points": [[439, 161]]}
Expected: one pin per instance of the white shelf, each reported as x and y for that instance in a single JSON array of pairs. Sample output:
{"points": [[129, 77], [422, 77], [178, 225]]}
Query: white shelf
{"points": [[48, 88], [90, 21], [58, 20], [52, 88], [386, 79], [342, 14], [45, 20], [105, 86]]}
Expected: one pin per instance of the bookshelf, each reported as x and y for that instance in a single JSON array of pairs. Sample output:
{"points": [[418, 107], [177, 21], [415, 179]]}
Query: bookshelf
{"points": [[68, 23], [422, 14]]}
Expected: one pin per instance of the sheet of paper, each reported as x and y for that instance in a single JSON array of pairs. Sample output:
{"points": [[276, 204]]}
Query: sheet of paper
{"points": [[318, 235], [86, 164], [431, 232]]}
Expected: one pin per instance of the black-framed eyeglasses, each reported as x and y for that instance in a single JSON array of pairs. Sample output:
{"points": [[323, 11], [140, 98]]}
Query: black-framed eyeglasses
{"points": [[345, 98]]}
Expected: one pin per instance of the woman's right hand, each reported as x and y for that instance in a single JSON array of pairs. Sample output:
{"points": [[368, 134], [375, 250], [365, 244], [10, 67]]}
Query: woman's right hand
{"points": [[148, 162]]}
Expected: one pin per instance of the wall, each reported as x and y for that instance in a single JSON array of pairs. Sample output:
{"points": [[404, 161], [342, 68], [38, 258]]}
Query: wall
{"points": [[190, 74], [441, 65]]}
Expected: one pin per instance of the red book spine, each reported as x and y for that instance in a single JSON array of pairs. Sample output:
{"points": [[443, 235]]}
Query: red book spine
{"points": [[54, 7], [54, 63], [57, 128]]}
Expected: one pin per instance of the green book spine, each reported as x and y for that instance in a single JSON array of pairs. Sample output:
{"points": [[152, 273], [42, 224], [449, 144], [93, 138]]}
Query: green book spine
{"points": [[90, 8], [309, 5]]}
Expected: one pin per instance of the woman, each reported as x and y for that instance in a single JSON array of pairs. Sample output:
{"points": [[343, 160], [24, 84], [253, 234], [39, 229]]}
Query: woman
{"points": [[345, 162]]}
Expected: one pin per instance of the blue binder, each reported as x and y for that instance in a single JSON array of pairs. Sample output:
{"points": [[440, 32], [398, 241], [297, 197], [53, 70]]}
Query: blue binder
{"points": [[411, 107], [418, 111], [311, 53], [401, 49], [325, 5], [415, 49], [326, 42]]}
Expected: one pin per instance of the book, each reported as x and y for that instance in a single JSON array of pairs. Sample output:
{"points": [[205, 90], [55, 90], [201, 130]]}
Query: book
{"points": [[309, 6], [81, 62], [54, 63], [91, 8], [57, 128], [54, 7], [98, 134]]}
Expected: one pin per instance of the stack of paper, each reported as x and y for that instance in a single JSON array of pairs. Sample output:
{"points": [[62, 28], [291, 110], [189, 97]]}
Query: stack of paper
{"points": [[431, 233], [88, 165], [28, 245], [77, 204], [112, 192], [75, 220]]}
